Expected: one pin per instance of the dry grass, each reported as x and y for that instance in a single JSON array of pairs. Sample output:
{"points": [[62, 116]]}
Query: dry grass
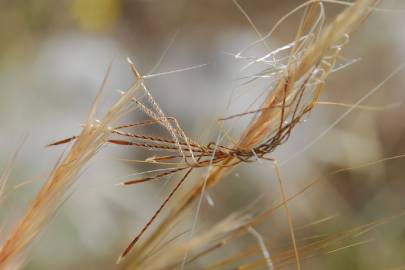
{"points": [[94, 135], [298, 82], [312, 58]]}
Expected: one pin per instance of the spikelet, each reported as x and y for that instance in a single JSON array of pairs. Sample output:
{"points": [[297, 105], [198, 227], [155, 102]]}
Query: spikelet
{"points": [[297, 86]]}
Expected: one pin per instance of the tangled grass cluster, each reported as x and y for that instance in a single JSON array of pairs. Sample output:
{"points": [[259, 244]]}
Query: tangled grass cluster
{"points": [[296, 73]]}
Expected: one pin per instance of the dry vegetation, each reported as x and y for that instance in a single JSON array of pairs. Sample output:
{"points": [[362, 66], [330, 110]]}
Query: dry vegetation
{"points": [[298, 79]]}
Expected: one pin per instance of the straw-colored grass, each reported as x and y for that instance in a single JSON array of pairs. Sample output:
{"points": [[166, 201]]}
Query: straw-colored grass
{"points": [[94, 135], [312, 58], [297, 86]]}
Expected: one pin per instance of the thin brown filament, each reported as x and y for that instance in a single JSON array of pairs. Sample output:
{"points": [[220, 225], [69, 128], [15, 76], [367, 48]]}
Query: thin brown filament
{"points": [[143, 230]]}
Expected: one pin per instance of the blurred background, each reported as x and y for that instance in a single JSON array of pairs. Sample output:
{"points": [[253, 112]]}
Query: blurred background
{"points": [[54, 55]]}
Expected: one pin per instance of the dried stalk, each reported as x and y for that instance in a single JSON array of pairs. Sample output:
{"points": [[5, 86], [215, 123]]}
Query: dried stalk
{"points": [[311, 60], [94, 135]]}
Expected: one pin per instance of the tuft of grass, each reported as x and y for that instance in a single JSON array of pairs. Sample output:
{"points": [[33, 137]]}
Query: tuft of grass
{"points": [[299, 82], [94, 135]]}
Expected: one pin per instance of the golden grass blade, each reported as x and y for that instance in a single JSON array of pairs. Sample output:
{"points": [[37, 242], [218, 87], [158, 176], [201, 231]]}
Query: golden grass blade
{"points": [[93, 136]]}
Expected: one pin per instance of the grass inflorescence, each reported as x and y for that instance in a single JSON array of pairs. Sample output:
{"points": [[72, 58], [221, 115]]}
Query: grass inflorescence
{"points": [[297, 80]]}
